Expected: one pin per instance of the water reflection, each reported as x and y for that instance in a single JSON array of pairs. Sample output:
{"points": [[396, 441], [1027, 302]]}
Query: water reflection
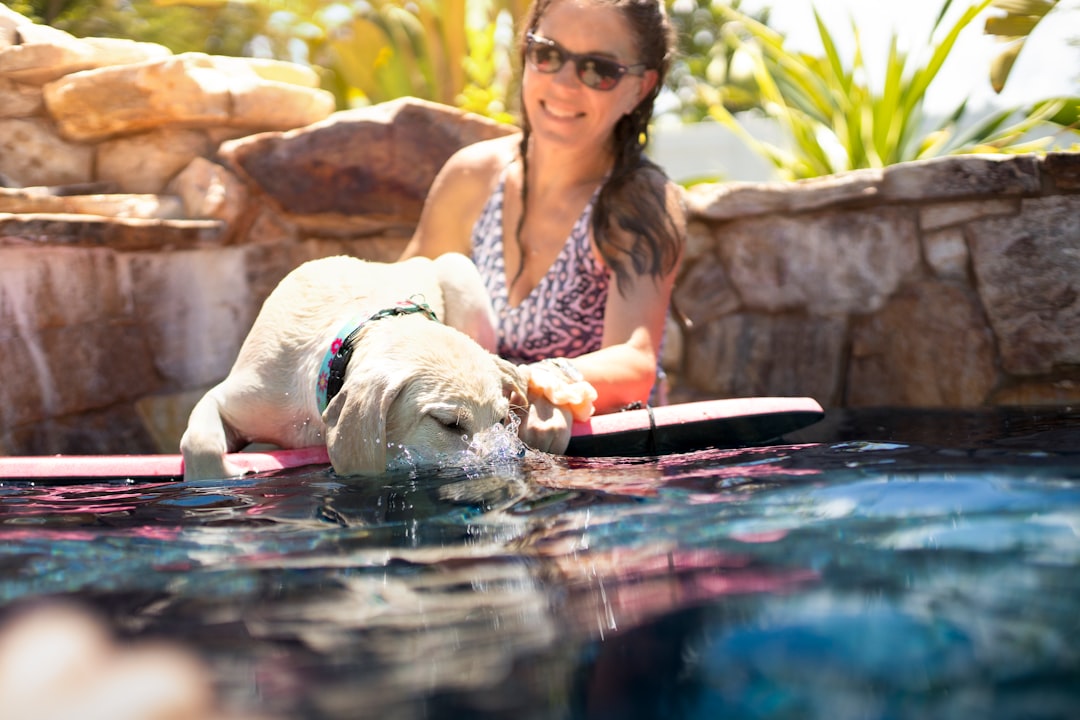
{"points": [[855, 578]]}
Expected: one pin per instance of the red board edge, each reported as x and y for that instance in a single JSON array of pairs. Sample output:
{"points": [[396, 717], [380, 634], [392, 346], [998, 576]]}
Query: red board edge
{"points": [[171, 466]]}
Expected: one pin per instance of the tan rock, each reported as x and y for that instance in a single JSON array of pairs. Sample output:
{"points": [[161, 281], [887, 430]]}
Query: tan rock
{"points": [[208, 190], [114, 430], [196, 309], [1063, 168], [221, 134], [961, 175], [38, 200], [377, 161], [277, 71], [726, 201], [750, 354], [947, 253], [10, 21], [930, 346], [120, 51], [166, 416], [57, 304], [123, 234], [114, 364], [1038, 391], [147, 162], [826, 263], [19, 100], [31, 153], [704, 292], [1028, 270], [270, 228], [42, 53], [22, 355], [56, 286], [700, 242], [949, 214], [192, 90], [97, 104], [267, 105]]}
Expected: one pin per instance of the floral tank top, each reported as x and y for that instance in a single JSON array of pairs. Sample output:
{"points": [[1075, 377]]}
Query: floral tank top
{"points": [[563, 316]]}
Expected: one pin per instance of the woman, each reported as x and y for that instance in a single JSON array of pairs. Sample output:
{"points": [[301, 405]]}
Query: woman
{"points": [[577, 234]]}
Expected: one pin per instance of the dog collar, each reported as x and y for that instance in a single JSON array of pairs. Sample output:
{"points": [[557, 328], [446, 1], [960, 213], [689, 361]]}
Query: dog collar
{"points": [[336, 360]]}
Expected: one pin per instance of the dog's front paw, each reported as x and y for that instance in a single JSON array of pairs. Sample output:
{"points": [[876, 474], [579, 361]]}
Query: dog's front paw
{"points": [[206, 460], [211, 467]]}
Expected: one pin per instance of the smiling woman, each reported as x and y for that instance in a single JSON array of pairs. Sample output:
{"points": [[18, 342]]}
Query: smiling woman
{"points": [[571, 208]]}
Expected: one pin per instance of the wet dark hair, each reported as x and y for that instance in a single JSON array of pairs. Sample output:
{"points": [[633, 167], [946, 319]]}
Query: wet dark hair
{"points": [[633, 197]]}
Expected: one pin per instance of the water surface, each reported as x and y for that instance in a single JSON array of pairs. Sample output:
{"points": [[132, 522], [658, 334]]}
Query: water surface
{"points": [[895, 564]]}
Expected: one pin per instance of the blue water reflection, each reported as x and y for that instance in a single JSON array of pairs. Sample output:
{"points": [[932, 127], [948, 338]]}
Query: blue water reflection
{"points": [[857, 574]]}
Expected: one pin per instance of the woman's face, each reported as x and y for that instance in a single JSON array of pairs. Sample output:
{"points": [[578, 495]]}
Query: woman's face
{"points": [[560, 107]]}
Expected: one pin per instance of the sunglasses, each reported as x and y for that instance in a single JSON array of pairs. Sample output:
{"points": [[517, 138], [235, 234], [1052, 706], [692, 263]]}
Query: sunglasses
{"points": [[595, 71]]}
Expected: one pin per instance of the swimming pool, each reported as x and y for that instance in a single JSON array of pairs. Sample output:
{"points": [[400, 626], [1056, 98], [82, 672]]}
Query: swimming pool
{"points": [[882, 564]]}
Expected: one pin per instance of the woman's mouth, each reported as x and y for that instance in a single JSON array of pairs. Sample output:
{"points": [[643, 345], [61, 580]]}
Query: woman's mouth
{"points": [[560, 113]]}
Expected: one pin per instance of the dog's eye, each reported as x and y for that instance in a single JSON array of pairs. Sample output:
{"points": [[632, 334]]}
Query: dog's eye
{"points": [[449, 420]]}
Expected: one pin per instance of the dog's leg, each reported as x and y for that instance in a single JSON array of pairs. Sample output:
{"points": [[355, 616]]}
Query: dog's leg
{"points": [[207, 440], [465, 300]]}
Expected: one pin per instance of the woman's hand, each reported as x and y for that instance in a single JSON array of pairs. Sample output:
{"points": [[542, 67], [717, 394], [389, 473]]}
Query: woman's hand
{"points": [[547, 426], [564, 386]]}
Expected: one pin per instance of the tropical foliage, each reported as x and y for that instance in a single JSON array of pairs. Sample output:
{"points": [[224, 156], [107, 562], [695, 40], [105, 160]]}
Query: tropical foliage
{"points": [[449, 51], [708, 70], [220, 28], [460, 52], [1014, 28], [836, 121]]}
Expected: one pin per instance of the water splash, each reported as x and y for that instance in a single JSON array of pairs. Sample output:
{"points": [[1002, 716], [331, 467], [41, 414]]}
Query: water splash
{"points": [[499, 444], [493, 447]]}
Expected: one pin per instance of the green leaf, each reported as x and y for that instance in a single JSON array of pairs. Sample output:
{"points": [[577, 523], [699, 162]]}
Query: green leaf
{"points": [[1011, 26], [1002, 65]]}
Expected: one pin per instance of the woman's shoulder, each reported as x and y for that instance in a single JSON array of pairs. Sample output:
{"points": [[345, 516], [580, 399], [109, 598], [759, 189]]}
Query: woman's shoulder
{"points": [[485, 158]]}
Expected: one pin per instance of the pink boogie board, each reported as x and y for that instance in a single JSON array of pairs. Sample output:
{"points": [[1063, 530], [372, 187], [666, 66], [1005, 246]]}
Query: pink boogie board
{"points": [[738, 422]]}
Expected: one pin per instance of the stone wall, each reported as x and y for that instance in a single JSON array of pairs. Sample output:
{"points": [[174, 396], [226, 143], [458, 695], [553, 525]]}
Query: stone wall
{"points": [[130, 274], [951, 282]]}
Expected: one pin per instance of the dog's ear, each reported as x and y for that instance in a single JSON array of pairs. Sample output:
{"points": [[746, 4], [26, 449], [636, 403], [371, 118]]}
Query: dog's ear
{"points": [[356, 424]]}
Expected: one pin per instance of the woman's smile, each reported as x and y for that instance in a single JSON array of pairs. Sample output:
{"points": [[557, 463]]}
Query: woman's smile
{"points": [[560, 113]]}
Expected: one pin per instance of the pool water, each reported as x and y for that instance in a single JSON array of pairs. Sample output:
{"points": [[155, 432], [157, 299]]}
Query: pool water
{"points": [[881, 564]]}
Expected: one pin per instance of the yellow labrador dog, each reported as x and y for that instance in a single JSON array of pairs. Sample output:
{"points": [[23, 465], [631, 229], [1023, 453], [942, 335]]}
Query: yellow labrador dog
{"points": [[360, 356]]}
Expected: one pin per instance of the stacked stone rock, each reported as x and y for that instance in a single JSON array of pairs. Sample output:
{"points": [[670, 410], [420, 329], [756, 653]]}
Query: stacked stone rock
{"points": [[129, 115]]}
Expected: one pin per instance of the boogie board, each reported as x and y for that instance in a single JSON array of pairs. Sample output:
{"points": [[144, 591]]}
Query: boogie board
{"points": [[739, 422]]}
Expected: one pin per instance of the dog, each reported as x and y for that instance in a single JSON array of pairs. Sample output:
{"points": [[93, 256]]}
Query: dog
{"points": [[361, 356]]}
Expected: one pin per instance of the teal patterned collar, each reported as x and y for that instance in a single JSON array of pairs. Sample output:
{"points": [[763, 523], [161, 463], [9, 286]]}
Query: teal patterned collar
{"points": [[336, 359]]}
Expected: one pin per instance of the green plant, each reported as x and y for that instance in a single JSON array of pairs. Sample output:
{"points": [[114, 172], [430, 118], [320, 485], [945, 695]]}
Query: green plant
{"points": [[448, 51], [211, 26], [708, 70], [1014, 27], [835, 121]]}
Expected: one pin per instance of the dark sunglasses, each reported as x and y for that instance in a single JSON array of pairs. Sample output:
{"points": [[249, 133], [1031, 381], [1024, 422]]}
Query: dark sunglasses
{"points": [[597, 72]]}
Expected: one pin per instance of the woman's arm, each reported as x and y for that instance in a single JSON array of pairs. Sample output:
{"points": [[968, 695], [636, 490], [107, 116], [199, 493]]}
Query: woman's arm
{"points": [[456, 197], [624, 369]]}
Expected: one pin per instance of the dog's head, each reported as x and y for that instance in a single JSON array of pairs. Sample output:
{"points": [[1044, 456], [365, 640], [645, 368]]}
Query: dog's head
{"points": [[420, 385]]}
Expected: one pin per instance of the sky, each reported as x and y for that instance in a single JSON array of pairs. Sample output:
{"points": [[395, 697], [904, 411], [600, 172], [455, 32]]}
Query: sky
{"points": [[1048, 66]]}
